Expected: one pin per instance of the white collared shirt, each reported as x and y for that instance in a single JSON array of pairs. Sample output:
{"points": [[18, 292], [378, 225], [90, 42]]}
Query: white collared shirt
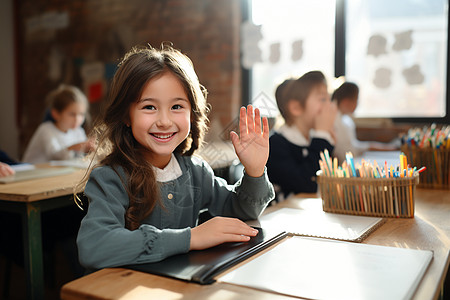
{"points": [[346, 138], [293, 135], [171, 172]]}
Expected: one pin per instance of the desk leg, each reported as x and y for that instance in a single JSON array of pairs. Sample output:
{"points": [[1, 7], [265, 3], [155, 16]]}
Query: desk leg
{"points": [[32, 240]]}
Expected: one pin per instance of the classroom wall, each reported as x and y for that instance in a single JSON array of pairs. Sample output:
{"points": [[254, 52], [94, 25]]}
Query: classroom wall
{"points": [[80, 42], [9, 133]]}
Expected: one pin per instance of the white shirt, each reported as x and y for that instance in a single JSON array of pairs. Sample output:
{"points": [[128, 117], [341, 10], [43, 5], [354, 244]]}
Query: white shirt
{"points": [[293, 135], [171, 172], [346, 140], [49, 143]]}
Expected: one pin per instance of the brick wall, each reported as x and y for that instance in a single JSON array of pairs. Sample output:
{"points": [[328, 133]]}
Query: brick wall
{"points": [[80, 42]]}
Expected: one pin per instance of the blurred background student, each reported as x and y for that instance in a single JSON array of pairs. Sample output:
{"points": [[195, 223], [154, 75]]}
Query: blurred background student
{"points": [[61, 137], [346, 97], [295, 147]]}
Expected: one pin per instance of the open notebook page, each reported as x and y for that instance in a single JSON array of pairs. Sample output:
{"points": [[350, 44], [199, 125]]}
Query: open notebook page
{"points": [[317, 223]]}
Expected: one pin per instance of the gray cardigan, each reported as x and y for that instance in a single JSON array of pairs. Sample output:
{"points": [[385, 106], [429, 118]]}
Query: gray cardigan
{"points": [[103, 241]]}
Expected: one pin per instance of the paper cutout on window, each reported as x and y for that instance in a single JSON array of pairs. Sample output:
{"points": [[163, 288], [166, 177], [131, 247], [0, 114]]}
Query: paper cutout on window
{"points": [[250, 36], [382, 78], [297, 50], [377, 45], [266, 105], [274, 56], [413, 75], [403, 41]]}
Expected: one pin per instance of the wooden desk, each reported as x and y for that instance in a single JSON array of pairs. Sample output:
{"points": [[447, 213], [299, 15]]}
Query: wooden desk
{"points": [[30, 198], [430, 229]]}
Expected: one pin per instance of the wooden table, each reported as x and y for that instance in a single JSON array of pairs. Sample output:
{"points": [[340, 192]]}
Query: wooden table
{"points": [[30, 198], [430, 229]]}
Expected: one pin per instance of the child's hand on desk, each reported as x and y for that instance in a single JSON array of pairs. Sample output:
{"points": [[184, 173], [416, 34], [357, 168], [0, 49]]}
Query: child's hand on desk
{"points": [[219, 230], [252, 147], [84, 147], [5, 170]]}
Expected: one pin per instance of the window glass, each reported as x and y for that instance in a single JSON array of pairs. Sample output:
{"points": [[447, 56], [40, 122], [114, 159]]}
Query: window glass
{"points": [[396, 51], [287, 38]]}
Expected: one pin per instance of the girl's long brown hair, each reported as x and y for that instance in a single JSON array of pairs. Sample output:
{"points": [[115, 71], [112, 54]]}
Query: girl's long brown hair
{"points": [[115, 139]]}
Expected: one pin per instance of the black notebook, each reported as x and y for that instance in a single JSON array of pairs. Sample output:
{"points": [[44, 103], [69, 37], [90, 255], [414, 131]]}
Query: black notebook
{"points": [[203, 265]]}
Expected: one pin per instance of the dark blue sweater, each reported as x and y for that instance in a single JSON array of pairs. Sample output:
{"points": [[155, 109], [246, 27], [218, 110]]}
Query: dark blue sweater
{"points": [[4, 158], [293, 167]]}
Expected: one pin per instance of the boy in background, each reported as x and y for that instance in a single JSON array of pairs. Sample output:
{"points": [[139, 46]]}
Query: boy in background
{"points": [[295, 147]]}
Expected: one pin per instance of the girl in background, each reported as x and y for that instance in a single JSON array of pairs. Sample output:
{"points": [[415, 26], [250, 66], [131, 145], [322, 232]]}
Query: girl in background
{"points": [[146, 193], [61, 138], [346, 97], [295, 147]]}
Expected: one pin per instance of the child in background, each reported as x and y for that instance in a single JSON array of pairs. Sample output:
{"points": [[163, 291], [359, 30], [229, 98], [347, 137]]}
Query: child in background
{"points": [[146, 194], [62, 138], [346, 97], [295, 147]]}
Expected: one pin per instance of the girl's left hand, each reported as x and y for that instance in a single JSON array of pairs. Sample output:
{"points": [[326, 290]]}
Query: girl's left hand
{"points": [[252, 147]]}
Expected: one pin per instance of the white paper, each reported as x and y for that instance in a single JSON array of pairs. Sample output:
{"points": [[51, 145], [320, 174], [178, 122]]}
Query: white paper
{"points": [[334, 270], [22, 167]]}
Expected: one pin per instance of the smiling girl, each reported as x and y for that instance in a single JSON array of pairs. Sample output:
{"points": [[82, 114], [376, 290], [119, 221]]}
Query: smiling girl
{"points": [[146, 194]]}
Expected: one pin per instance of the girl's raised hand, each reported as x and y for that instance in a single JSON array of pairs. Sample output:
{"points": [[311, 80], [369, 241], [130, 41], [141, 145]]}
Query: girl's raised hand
{"points": [[220, 230], [252, 146]]}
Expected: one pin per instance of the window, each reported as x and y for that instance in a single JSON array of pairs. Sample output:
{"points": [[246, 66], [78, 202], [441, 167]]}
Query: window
{"points": [[287, 38], [396, 51]]}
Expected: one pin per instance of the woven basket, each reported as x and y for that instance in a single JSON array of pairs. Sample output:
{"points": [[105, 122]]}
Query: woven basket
{"points": [[437, 162], [382, 197]]}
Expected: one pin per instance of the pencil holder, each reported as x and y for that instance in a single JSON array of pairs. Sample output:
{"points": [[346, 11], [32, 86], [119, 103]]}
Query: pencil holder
{"points": [[381, 197], [437, 162]]}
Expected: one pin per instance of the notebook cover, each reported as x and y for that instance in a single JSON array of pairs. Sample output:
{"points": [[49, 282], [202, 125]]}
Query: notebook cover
{"points": [[203, 265]]}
